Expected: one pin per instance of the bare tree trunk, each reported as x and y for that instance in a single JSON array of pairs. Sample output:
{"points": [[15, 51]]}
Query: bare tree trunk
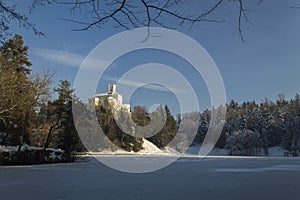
{"points": [[47, 142], [21, 141]]}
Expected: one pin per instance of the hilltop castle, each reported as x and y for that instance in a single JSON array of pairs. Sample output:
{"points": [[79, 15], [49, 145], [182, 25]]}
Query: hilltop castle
{"points": [[113, 98]]}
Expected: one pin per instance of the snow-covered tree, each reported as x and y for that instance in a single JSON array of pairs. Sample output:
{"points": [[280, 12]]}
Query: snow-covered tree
{"points": [[244, 142]]}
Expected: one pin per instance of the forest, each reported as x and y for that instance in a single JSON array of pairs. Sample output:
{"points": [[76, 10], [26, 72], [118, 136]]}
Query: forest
{"points": [[36, 114]]}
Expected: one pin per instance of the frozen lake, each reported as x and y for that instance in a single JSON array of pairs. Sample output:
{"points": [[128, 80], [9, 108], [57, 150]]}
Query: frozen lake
{"points": [[187, 178]]}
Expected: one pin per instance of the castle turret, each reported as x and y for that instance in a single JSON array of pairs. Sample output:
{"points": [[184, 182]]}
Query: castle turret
{"points": [[111, 97], [111, 89]]}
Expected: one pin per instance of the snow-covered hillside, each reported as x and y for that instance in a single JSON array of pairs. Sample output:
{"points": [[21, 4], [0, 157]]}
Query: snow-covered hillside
{"points": [[149, 147]]}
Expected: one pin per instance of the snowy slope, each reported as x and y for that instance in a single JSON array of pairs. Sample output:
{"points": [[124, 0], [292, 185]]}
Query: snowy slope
{"points": [[150, 148]]}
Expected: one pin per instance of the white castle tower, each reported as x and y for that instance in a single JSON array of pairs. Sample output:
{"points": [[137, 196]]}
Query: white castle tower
{"points": [[111, 89], [113, 98]]}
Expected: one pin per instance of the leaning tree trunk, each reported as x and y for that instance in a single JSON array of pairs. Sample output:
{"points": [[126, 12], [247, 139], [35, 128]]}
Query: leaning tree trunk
{"points": [[48, 139]]}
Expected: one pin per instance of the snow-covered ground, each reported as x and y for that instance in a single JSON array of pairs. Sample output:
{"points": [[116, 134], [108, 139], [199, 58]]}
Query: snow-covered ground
{"points": [[276, 151], [49, 156], [151, 149], [194, 150], [25, 147], [148, 149], [188, 178], [273, 151]]}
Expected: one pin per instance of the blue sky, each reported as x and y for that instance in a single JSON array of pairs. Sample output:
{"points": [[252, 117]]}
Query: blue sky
{"points": [[266, 64]]}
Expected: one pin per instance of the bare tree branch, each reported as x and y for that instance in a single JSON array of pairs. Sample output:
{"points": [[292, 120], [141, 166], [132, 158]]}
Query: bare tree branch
{"points": [[242, 13], [135, 17], [130, 14], [8, 16], [7, 110], [260, 2], [127, 14], [41, 82], [102, 19]]}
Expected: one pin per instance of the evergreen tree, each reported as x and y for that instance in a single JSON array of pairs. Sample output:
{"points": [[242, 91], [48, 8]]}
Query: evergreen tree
{"points": [[113, 132], [17, 101], [140, 116], [168, 132], [67, 135]]}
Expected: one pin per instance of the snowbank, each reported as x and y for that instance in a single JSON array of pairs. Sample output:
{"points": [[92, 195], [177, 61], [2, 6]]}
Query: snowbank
{"points": [[170, 150], [276, 151], [31, 155], [149, 147], [194, 150]]}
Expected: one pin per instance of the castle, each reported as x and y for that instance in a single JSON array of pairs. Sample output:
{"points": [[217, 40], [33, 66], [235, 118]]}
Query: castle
{"points": [[113, 98]]}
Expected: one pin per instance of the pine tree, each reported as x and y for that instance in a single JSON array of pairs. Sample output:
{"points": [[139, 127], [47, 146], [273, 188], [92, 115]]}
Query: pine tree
{"points": [[67, 136], [168, 132], [140, 116], [17, 101]]}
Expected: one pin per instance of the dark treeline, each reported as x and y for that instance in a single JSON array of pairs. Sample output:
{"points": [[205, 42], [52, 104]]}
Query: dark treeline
{"points": [[251, 128]]}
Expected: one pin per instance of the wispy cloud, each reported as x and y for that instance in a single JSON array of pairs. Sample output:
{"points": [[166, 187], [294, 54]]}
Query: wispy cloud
{"points": [[93, 64], [145, 85], [61, 57], [70, 59]]}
